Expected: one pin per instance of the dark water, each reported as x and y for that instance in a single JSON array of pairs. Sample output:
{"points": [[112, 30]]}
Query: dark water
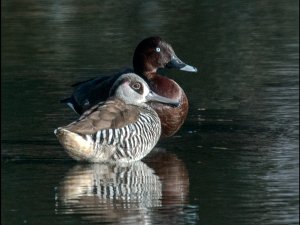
{"points": [[235, 160]]}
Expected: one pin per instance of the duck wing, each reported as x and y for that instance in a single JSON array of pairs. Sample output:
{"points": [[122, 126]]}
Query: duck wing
{"points": [[89, 92], [114, 113]]}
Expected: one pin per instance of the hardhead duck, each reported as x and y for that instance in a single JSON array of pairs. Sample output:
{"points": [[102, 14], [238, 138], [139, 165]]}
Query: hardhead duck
{"points": [[151, 54]]}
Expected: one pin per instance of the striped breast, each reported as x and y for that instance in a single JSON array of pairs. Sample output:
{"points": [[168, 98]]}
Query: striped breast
{"points": [[128, 143]]}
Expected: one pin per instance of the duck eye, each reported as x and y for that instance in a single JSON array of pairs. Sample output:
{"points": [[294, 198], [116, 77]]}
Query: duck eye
{"points": [[157, 49], [136, 86]]}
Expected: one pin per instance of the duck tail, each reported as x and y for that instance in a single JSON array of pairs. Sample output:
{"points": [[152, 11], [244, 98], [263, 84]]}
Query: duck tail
{"points": [[72, 103], [76, 146]]}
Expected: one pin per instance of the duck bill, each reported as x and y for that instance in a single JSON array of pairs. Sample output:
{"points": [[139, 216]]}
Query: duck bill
{"points": [[176, 63], [153, 97]]}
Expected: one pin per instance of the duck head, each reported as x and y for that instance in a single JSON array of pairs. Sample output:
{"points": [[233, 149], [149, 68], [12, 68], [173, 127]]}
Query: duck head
{"points": [[153, 53], [134, 90]]}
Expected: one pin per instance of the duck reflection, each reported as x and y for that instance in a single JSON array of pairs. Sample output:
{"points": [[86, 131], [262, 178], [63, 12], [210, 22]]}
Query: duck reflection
{"points": [[153, 191]]}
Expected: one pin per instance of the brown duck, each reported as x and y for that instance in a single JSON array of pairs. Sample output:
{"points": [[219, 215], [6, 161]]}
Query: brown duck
{"points": [[150, 55]]}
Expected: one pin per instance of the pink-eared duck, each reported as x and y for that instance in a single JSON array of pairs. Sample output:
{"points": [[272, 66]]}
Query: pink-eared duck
{"points": [[122, 129]]}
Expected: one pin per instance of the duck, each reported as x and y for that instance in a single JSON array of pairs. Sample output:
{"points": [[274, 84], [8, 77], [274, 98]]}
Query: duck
{"points": [[151, 54], [124, 128]]}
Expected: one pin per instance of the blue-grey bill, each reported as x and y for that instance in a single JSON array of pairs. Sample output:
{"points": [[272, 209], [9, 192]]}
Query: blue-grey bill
{"points": [[189, 68]]}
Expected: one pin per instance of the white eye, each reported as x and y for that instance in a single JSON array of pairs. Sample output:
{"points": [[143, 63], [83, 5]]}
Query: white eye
{"points": [[157, 49]]}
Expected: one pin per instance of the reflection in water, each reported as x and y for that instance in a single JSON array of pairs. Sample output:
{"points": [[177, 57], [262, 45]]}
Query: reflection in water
{"points": [[240, 141], [154, 191]]}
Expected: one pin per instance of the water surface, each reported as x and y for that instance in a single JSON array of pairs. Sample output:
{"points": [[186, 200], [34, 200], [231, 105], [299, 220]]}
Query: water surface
{"points": [[234, 161]]}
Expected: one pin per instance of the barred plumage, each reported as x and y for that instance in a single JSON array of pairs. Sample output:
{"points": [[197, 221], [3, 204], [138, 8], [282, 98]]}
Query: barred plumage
{"points": [[131, 142], [122, 129], [133, 185]]}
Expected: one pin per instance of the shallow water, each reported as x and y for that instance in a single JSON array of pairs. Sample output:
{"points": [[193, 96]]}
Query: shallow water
{"points": [[234, 161]]}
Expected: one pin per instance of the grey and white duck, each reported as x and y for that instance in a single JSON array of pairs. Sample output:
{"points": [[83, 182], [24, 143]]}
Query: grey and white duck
{"points": [[124, 128]]}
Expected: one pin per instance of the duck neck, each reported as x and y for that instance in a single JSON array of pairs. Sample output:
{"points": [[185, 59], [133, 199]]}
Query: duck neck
{"points": [[149, 74], [142, 67]]}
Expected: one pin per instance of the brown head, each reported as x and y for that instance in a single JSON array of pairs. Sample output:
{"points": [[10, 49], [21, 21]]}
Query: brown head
{"points": [[153, 53]]}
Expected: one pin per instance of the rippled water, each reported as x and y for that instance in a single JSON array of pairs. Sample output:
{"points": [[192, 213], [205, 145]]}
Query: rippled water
{"points": [[234, 161]]}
